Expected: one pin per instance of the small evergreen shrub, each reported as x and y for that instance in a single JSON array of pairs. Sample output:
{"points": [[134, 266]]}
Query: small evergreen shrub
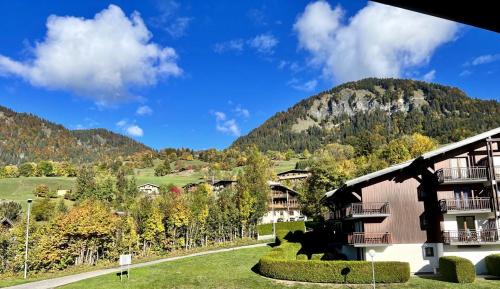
{"points": [[457, 269], [493, 264], [285, 262]]}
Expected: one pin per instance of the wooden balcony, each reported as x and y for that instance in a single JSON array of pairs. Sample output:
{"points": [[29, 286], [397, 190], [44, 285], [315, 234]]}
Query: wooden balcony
{"points": [[462, 175], [364, 210], [362, 239], [471, 237], [471, 205], [284, 205]]}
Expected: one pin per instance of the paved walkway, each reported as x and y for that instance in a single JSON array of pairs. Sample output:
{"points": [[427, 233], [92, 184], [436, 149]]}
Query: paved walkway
{"points": [[60, 281]]}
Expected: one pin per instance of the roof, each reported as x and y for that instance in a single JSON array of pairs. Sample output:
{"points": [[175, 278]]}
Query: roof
{"points": [[293, 171], [220, 182], [6, 220], [148, 184], [276, 184], [426, 156]]}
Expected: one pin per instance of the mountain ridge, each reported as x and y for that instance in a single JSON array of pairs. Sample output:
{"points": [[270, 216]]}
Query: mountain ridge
{"points": [[25, 137], [351, 112]]}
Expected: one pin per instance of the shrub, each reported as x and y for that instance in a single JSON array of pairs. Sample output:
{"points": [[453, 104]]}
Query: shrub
{"points": [[267, 229], [493, 264], [457, 269], [284, 262]]}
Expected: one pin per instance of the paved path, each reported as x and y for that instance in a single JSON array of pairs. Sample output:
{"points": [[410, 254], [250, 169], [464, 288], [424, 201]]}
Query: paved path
{"points": [[60, 281]]}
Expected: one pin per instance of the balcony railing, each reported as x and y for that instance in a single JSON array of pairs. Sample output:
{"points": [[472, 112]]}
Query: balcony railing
{"points": [[284, 205], [462, 175], [465, 205], [364, 210], [363, 239], [471, 237]]}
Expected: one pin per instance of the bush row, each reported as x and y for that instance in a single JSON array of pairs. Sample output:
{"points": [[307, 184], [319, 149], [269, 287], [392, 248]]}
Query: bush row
{"points": [[283, 262], [457, 269], [267, 229], [493, 264]]}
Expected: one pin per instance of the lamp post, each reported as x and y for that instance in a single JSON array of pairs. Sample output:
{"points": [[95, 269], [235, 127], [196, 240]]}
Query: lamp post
{"points": [[26, 242], [372, 255]]}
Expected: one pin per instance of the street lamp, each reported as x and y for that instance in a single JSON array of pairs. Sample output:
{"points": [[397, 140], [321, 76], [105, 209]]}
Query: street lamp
{"points": [[26, 243], [372, 255]]}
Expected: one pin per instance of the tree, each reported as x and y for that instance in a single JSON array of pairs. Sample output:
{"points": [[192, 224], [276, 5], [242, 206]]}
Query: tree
{"points": [[153, 229], [43, 209], [10, 210], [27, 170], [10, 171], [85, 187], [253, 188], [327, 173], [421, 144], [42, 191], [45, 169], [163, 168]]}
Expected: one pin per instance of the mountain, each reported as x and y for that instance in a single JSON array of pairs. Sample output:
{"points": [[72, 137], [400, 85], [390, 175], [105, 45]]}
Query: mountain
{"points": [[26, 137], [371, 111]]}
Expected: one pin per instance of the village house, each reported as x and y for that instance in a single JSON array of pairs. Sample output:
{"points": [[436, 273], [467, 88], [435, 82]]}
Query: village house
{"points": [[223, 184], [443, 203], [149, 189], [294, 175], [283, 205], [6, 224]]}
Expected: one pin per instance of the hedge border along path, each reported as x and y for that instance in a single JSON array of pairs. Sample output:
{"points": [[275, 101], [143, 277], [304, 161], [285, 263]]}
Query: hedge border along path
{"points": [[493, 264], [457, 269], [267, 229], [282, 263]]}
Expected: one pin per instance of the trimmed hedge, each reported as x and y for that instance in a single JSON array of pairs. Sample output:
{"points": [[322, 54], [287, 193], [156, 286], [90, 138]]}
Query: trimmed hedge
{"points": [[493, 264], [267, 229], [283, 262], [457, 269]]}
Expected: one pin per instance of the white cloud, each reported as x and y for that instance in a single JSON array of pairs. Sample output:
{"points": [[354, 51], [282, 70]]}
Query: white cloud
{"points": [[380, 40], [307, 86], [465, 73], [224, 125], [483, 59], [235, 45], [135, 130], [240, 111], [264, 43], [144, 110], [100, 58], [130, 128], [168, 20], [429, 76]]}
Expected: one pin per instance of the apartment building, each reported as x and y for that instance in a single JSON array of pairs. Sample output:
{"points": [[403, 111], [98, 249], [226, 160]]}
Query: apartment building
{"points": [[445, 202]]}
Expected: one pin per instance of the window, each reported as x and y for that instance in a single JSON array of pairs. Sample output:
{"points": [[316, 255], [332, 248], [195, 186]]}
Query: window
{"points": [[429, 251]]}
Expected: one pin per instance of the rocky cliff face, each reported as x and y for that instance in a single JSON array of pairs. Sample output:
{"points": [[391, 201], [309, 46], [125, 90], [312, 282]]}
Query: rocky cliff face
{"points": [[389, 107]]}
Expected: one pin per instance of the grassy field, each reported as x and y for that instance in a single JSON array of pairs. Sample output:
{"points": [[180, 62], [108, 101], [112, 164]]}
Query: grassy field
{"points": [[234, 270], [20, 189]]}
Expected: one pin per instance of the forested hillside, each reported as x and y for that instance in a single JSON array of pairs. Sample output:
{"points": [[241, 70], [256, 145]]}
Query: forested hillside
{"points": [[370, 112], [25, 137]]}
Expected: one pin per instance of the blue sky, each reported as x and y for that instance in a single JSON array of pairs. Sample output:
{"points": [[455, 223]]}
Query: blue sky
{"points": [[200, 73]]}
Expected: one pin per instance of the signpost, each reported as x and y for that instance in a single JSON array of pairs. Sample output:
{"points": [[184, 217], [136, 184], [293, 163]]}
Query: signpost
{"points": [[125, 260]]}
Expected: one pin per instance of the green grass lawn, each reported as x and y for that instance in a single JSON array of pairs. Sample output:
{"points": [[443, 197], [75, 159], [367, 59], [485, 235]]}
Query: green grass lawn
{"points": [[20, 189], [234, 270], [281, 166]]}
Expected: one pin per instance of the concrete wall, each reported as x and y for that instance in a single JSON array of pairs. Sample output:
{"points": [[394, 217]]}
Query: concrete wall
{"points": [[411, 253], [284, 214]]}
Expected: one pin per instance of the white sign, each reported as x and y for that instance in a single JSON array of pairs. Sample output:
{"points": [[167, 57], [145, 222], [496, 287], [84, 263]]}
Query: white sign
{"points": [[125, 260]]}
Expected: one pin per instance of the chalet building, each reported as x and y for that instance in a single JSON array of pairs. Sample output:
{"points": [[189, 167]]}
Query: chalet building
{"points": [[149, 189], [191, 187], [294, 175], [223, 184], [6, 224], [283, 205], [443, 203]]}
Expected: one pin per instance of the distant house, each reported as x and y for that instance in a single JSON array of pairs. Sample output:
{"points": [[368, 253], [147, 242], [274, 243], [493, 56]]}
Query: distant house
{"points": [[223, 184], [294, 175], [62, 193], [283, 205], [149, 189], [191, 187], [6, 224]]}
